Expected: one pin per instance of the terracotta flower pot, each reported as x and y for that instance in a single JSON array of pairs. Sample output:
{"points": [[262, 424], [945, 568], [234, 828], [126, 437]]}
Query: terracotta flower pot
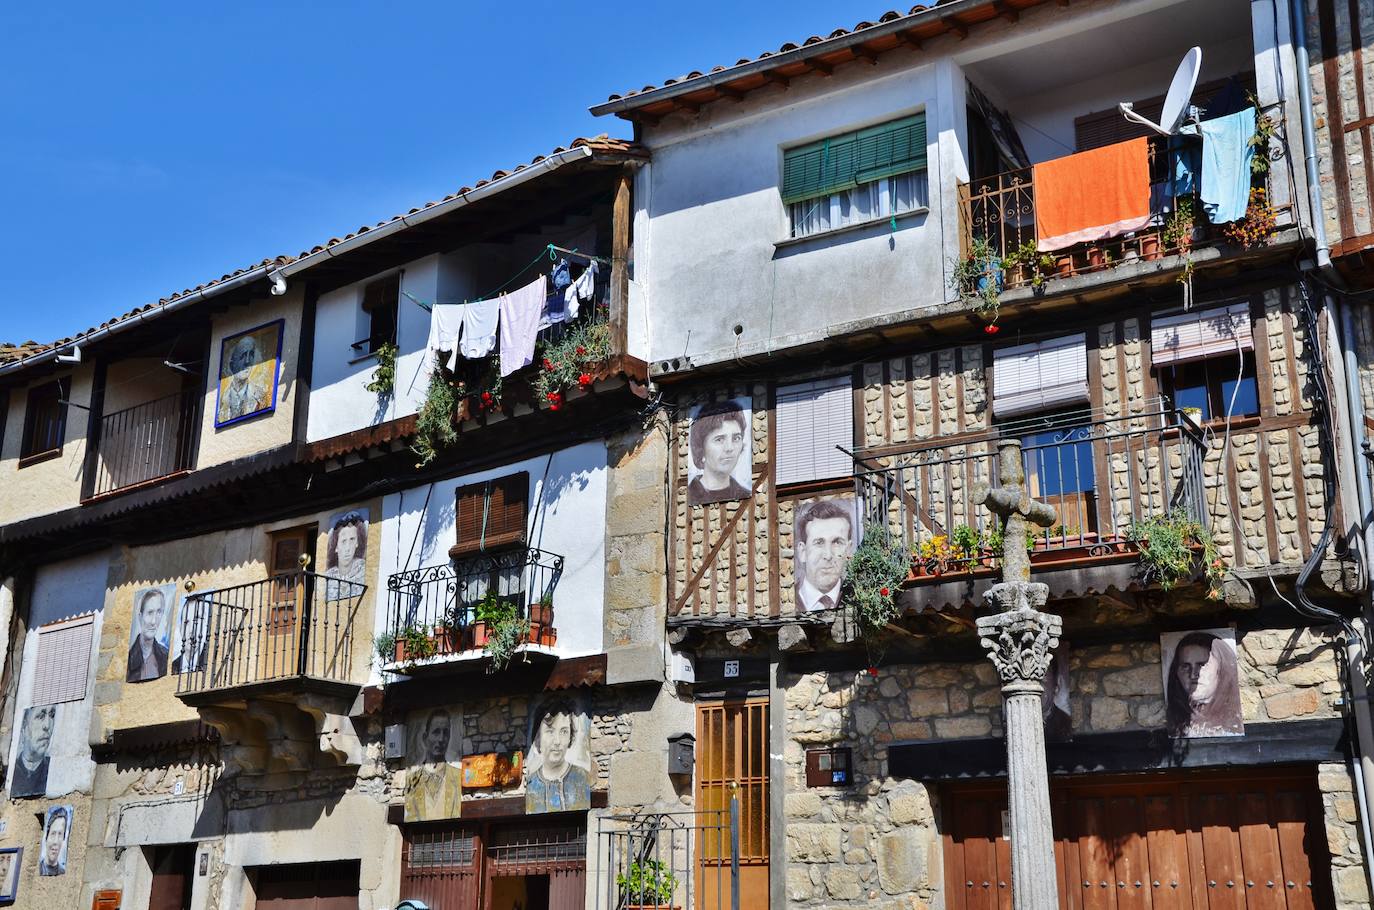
{"points": [[1063, 265], [536, 629], [1149, 247], [1096, 258], [541, 613], [548, 636], [479, 634]]}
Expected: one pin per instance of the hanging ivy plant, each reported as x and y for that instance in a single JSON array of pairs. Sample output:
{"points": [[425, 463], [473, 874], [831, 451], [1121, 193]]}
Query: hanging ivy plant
{"points": [[1173, 547], [384, 376], [873, 577], [504, 639], [434, 428]]}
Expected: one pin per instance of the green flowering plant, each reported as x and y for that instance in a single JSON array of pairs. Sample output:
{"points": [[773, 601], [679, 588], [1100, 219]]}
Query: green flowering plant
{"points": [[569, 361]]}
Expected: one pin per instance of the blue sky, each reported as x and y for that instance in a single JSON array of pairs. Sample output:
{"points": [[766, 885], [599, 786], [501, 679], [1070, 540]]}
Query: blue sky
{"points": [[151, 147]]}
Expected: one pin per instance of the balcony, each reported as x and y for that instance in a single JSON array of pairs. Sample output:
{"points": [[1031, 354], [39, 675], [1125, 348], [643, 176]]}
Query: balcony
{"points": [[276, 669], [448, 615], [1103, 476], [144, 443], [999, 211]]}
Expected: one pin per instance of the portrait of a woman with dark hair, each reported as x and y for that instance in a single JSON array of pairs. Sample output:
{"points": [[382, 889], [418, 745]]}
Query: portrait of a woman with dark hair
{"points": [[716, 443], [346, 558], [1202, 684]]}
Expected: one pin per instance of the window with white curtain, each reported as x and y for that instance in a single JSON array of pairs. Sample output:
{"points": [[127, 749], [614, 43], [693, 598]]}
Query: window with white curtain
{"points": [[866, 202]]}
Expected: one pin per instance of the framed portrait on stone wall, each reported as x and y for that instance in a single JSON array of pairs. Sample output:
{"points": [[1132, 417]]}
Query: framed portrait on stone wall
{"points": [[150, 633], [825, 533], [719, 446], [434, 779], [1201, 683], [558, 763], [11, 860], [249, 366], [1055, 703], [191, 636], [34, 757], [52, 851]]}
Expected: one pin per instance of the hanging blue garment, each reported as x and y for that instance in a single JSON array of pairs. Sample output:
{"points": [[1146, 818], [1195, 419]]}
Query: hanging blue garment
{"points": [[562, 275], [1185, 163], [1226, 155]]}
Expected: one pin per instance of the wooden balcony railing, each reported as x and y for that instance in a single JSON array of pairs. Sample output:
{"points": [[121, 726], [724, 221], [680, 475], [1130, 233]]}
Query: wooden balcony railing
{"points": [[1102, 475], [144, 443], [294, 625]]}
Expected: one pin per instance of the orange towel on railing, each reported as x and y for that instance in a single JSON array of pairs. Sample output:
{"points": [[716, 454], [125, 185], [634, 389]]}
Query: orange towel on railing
{"points": [[1100, 193]]}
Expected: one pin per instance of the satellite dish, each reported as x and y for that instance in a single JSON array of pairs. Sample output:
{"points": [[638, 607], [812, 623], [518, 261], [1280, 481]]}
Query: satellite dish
{"points": [[1176, 106]]}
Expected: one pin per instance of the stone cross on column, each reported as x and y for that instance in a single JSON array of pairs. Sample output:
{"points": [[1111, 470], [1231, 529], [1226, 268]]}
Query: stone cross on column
{"points": [[1019, 639]]}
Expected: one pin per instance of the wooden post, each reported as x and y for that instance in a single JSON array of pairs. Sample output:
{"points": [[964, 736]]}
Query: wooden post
{"points": [[621, 214]]}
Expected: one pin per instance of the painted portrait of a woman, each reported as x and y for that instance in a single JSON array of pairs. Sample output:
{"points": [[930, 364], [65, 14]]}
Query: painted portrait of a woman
{"points": [[1202, 684], [346, 558]]}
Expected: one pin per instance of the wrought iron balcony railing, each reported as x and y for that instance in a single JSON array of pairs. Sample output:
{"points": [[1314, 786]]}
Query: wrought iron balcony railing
{"points": [[670, 859], [1000, 209], [294, 625], [145, 442], [1104, 476], [442, 601]]}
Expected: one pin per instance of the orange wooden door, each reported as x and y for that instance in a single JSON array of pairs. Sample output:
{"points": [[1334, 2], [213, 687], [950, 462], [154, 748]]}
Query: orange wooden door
{"points": [[732, 760]]}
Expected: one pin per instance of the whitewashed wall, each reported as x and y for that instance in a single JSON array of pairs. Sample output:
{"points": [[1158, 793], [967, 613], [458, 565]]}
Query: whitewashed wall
{"points": [[567, 516], [63, 590]]}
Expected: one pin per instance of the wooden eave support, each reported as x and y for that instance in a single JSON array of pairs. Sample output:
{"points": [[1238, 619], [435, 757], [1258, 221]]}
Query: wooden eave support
{"points": [[778, 78], [863, 53], [1005, 11], [733, 94], [825, 69], [909, 40], [959, 28]]}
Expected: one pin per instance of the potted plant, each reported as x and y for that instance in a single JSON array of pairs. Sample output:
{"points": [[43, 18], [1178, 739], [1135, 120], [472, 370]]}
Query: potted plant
{"points": [[647, 885], [487, 613], [1149, 246], [504, 638], [1259, 221], [979, 277], [413, 643], [384, 646], [1178, 229], [1193, 416], [542, 612], [1173, 547]]}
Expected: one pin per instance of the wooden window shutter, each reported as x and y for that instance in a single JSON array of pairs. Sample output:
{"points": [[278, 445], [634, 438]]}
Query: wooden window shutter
{"points": [[844, 161], [1201, 334], [64, 660], [1109, 127], [491, 514], [1039, 376], [813, 418]]}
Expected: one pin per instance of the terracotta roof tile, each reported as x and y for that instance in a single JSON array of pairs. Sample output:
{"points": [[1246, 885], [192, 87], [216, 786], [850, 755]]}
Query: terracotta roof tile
{"points": [[888, 16], [602, 143]]}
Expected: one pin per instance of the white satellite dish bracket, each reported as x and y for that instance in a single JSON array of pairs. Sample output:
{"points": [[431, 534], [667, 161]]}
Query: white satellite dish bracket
{"points": [[1177, 107]]}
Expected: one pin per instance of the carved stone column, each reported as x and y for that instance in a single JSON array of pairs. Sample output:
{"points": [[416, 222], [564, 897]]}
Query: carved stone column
{"points": [[1019, 640]]}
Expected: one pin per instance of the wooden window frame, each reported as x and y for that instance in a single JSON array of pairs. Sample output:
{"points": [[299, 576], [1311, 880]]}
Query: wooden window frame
{"points": [[36, 397], [381, 296], [1213, 380]]}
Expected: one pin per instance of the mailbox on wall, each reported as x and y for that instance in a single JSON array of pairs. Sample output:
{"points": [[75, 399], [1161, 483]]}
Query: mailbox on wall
{"points": [[681, 754], [829, 767]]}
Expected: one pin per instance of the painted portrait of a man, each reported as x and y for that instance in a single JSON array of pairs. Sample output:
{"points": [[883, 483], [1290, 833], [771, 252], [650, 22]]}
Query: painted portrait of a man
{"points": [[30, 776], [826, 532], [248, 373], [190, 647], [1201, 683], [434, 782], [719, 444], [558, 764], [150, 633]]}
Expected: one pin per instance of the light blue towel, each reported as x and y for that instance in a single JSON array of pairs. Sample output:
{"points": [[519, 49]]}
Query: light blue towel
{"points": [[1226, 154]]}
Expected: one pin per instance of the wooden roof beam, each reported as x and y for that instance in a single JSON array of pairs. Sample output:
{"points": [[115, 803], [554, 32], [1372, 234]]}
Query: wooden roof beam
{"points": [[909, 40], [825, 69], [1005, 11], [733, 94], [957, 27], [778, 79], [864, 53]]}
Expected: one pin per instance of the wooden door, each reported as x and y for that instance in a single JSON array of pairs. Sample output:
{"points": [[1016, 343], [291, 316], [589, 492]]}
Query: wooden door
{"points": [[308, 886], [279, 628], [1180, 841], [440, 864], [173, 873], [732, 760]]}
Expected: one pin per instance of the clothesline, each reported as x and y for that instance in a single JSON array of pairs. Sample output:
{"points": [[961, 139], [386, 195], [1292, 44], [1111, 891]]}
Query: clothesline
{"points": [[549, 250]]}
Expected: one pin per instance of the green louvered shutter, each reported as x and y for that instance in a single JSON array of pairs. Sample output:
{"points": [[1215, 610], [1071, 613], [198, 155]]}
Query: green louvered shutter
{"points": [[844, 161]]}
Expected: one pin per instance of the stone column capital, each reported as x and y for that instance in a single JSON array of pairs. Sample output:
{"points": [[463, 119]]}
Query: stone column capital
{"points": [[1020, 639]]}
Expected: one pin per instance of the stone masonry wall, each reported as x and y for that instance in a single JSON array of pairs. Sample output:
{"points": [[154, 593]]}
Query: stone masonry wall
{"points": [[877, 842]]}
